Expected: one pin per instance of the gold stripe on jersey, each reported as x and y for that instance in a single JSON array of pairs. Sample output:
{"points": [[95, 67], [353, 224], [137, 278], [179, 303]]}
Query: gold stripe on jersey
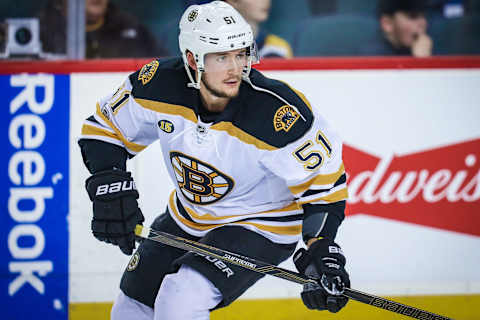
{"points": [[130, 145], [168, 108], [321, 179], [233, 131], [280, 230], [95, 131], [336, 196], [208, 217]]}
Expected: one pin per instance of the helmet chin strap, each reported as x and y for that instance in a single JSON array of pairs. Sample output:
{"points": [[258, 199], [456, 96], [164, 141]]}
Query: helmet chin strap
{"points": [[193, 83]]}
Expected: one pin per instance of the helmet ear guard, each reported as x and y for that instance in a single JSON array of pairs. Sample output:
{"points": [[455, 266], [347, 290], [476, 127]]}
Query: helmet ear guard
{"points": [[199, 69], [214, 27], [253, 58], [252, 51]]}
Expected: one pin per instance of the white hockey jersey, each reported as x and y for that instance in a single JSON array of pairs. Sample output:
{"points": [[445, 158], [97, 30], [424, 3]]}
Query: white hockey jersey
{"points": [[264, 156]]}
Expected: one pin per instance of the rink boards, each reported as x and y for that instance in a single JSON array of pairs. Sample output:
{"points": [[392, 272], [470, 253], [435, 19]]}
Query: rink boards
{"points": [[412, 150]]}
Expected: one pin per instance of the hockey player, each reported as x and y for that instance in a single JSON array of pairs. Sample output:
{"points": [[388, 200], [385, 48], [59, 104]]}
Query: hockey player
{"points": [[255, 168]]}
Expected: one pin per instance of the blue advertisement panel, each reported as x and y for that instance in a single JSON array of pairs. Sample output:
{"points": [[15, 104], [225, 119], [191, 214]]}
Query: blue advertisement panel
{"points": [[34, 196]]}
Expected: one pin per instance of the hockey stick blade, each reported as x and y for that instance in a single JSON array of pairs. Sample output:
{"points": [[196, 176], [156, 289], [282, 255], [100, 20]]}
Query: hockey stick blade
{"points": [[265, 268]]}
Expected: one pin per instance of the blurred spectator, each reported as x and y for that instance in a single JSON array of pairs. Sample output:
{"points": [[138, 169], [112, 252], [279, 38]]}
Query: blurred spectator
{"points": [[110, 32], [403, 28], [256, 12], [53, 27]]}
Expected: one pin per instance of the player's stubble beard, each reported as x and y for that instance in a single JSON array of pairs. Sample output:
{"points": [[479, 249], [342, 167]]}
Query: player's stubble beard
{"points": [[219, 93]]}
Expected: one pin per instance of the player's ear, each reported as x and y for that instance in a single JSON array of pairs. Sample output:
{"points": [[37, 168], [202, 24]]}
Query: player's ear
{"points": [[191, 60]]}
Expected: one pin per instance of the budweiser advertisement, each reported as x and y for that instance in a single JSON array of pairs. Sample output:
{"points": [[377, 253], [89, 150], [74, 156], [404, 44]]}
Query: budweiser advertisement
{"points": [[437, 187]]}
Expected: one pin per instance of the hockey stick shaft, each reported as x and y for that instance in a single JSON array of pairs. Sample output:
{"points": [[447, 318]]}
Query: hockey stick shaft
{"points": [[265, 268]]}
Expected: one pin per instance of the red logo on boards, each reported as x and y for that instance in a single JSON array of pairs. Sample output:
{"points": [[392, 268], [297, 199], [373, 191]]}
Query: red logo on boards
{"points": [[438, 188]]}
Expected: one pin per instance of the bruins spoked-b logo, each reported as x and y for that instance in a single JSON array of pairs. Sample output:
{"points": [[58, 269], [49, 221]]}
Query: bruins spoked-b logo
{"points": [[199, 182], [147, 72], [285, 118]]}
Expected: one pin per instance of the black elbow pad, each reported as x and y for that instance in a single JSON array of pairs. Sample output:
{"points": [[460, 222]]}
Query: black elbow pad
{"points": [[100, 156]]}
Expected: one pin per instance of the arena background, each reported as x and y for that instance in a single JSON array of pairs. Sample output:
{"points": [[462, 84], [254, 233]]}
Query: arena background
{"points": [[412, 149]]}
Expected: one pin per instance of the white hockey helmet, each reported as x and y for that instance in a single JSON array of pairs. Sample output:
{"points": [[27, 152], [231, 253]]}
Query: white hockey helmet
{"points": [[214, 27]]}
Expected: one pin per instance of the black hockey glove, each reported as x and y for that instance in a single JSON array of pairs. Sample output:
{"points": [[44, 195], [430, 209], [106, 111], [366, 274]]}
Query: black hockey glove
{"points": [[115, 208], [323, 261]]}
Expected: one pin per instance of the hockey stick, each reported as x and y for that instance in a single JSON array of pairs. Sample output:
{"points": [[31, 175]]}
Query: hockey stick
{"points": [[265, 268]]}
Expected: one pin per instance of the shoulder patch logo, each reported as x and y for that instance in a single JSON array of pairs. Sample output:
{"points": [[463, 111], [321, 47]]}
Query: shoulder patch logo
{"points": [[147, 72], [285, 118], [166, 126], [132, 265], [192, 15]]}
